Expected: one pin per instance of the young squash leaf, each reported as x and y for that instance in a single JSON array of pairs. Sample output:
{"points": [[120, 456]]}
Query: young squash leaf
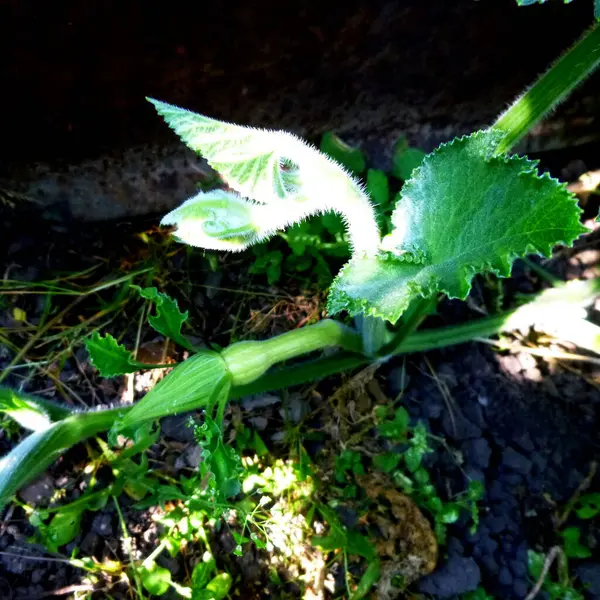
{"points": [[277, 169], [110, 357], [168, 318], [464, 212], [215, 220]]}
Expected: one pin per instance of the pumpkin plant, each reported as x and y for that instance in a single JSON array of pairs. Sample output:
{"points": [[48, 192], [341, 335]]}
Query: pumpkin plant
{"points": [[470, 207]]}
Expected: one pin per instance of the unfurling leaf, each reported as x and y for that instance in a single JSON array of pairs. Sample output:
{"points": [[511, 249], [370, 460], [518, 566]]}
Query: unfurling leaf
{"points": [[464, 212], [287, 178], [215, 220], [168, 318]]}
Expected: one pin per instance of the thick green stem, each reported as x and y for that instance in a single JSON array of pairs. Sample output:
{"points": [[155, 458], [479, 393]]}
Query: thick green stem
{"points": [[549, 90], [420, 341], [247, 361], [412, 318]]}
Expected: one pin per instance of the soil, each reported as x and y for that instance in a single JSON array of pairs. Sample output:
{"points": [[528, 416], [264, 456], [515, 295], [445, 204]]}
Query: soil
{"points": [[525, 426]]}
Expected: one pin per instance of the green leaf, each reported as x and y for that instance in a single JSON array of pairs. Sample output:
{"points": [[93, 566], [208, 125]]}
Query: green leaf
{"points": [[202, 381], [220, 585], [168, 318], [348, 156], [405, 159], [110, 357], [221, 462], [202, 573], [378, 187], [156, 580], [63, 528], [588, 506], [412, 458], [449, 514], [535, 564], [464, 212], [386, 462], [573, 547], [397, 428], [215, 220], [285, 180], [368, 580]]}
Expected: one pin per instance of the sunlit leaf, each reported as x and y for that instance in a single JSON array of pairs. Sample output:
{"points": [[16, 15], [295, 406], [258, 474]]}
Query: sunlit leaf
{"points": [[156, 580], [168, 319], [290, 179], [464, 212], [110, 357]]}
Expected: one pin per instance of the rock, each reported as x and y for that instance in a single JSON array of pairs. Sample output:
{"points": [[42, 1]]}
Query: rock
{"points": [[515, 461], [496, 524], [102, 525], [489, 564], [521, 588], [505, 576], [458, 576], [147, 170], [250, 403], [477, 452], [539, 461], [488, 545], [524, 442], [589, 574], [457, 427], [519, 568], [190, 457], [39, 491]]}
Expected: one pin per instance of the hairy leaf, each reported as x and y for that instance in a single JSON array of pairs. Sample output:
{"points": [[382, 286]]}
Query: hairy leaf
{"points": [[464, 212], [215, 220], [270, 167], [168, 318]]}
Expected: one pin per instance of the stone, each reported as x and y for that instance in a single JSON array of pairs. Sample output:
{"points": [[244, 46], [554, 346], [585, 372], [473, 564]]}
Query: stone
{"points": [[589, 575], [521, 588], [457, 427], [38, 491], [457, 576], [519, 568], [515, 461], [477, 452], [102, 525], [505, 576]]}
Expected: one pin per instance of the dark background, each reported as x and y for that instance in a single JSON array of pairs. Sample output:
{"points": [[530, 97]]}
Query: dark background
{"points": [[74, 74]]}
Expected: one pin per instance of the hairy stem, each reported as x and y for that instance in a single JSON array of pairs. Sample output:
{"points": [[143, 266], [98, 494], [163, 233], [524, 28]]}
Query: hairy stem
{"points": [[549, 90], [247, 361]]}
